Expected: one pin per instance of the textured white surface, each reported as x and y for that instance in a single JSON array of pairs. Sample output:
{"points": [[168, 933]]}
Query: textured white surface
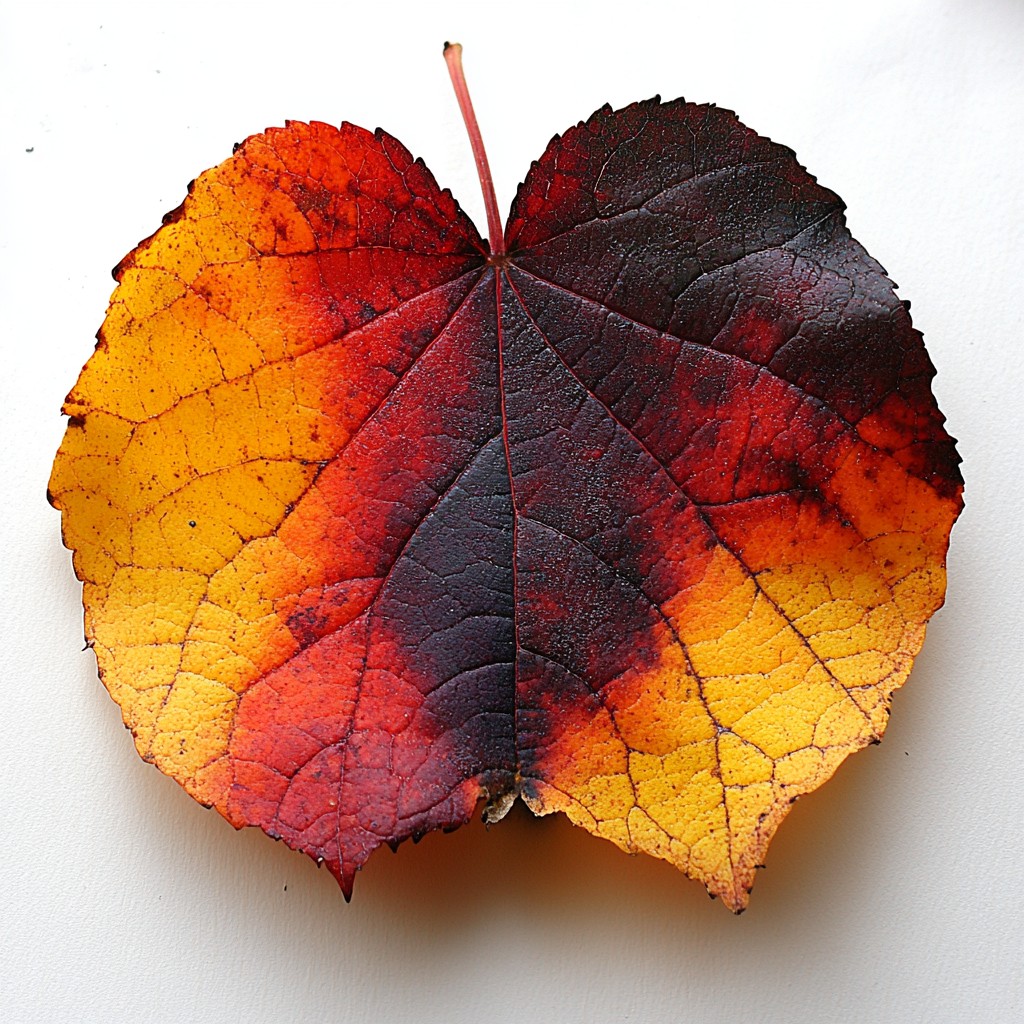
{"points": [[893, 894]]}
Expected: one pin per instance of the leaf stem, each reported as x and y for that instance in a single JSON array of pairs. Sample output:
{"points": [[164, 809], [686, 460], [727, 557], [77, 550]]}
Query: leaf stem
{"points": [[453, 58]]}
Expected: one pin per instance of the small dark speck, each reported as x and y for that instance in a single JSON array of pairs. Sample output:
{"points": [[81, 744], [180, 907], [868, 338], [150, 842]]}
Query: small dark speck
{"points": [[192, 523], [286, 888], [906, 753], [30, 149]]}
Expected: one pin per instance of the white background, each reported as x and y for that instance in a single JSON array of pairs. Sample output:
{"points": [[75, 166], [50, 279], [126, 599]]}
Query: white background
{"points": [[893, 894]]}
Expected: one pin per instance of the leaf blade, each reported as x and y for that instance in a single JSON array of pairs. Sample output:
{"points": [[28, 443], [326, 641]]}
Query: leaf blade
{"points": [[642, 521]]}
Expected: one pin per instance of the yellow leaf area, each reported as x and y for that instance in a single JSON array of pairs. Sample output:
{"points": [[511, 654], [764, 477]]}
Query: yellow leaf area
{"points": [[246, 345], [775, 661]]}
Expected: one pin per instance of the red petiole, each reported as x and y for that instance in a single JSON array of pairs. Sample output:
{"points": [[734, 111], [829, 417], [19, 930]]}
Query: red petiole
{"points": [[453, 57]]}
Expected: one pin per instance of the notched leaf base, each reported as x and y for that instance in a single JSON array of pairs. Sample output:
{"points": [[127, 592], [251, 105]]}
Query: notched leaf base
{"points": [[498, 806]]}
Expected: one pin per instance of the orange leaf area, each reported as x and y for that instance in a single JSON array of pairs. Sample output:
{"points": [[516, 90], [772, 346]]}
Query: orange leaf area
{"points": [[642, 522]]}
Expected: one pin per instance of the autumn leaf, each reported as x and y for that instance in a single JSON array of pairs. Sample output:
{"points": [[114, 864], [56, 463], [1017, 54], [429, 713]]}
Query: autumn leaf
{"points": [[637, 513]]}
